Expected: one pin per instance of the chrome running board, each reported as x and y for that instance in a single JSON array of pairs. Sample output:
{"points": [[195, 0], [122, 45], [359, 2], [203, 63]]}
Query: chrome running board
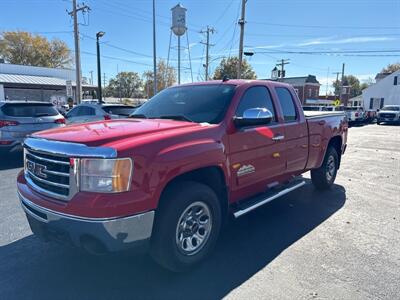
{"points": [[265, 198]]}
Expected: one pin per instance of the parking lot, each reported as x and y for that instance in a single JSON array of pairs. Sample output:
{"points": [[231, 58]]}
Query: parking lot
{"points": [[341, 244]]}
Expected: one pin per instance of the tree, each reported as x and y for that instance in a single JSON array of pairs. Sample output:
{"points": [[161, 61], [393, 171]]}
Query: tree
{"points": [[125, 85], [353, 82], [24, 48], [166, 77], [390, 68], [228, 67]]}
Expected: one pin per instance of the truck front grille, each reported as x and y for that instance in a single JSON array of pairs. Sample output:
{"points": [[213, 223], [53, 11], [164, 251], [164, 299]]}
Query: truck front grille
{"points": [[47, 173], [387, 116]]}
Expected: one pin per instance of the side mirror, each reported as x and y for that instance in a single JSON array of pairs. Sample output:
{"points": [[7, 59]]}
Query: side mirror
{"points": [[253, 117]]}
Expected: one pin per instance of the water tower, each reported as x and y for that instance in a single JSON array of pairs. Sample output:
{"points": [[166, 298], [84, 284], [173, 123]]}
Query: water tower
{"points": [[179, 28]]}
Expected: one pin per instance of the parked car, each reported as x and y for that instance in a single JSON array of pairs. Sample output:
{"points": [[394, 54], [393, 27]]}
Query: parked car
{"points": [[389, 114], [355, 114], [333, 108], [88, 112], [168, 177], [312, 108], [20, 118]]}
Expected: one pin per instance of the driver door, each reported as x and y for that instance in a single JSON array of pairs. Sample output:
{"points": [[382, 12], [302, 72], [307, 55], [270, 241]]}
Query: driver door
{"points": [[256, 152]]}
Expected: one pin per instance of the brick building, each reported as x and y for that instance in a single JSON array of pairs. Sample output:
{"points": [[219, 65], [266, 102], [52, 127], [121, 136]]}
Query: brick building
{"points": [[306, 87]]}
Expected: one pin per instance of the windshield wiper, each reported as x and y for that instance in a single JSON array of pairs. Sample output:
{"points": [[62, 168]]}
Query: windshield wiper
{"points": [[176, 117], [138, 116]]}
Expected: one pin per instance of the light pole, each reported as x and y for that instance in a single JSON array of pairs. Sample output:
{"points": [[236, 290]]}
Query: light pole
{"points": [[99, 35]]}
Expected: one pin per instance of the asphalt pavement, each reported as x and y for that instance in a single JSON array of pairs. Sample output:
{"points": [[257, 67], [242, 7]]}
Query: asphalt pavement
{"points": [[340, 244]]}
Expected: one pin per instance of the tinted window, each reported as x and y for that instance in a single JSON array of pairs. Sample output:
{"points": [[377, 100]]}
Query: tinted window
{"points": [[29, 110], [119, 110], [73, 112], [287, 104], [256, 97], [87, 111], [199, 103]]}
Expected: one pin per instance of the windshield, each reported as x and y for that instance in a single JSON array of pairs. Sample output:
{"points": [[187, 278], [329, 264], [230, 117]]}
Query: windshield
{"points": [[391, 108], [29, 110], [197, 103], [119, 110]]}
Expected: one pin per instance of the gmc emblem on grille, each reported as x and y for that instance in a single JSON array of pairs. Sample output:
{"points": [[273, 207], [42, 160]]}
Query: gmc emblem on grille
{"points": [[36, 169]]}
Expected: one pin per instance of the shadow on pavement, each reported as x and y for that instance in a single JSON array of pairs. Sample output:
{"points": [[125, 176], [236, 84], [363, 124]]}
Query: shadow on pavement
{"points": [[11, 160], [32, 269]]}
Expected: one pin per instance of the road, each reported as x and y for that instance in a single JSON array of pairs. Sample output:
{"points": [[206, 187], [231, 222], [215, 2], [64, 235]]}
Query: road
{"points": [[341, 244]]}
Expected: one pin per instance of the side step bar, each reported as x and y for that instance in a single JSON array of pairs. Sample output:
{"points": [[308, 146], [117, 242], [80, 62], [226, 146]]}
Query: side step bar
{"points": [[263, 199]]}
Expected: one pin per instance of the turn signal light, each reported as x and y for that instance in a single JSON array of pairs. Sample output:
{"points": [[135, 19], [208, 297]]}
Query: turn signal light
{"points": [[4, 123], [60, 121]]}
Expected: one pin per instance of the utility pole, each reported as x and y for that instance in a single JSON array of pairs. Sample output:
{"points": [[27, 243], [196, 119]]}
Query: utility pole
{"points": [[282, 64], [91, 77], [154, 49], [104, 80], [241, 22], [341, 84], [337, 82], [73, 13], [207, 43]]}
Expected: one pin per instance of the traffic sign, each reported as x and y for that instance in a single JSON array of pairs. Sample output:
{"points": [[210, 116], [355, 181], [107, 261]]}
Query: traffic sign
{"points": [[68, 84], [337, 102]]}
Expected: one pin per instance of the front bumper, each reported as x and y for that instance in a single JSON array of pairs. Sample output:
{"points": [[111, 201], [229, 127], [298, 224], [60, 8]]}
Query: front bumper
{"points": [[110, 234]]}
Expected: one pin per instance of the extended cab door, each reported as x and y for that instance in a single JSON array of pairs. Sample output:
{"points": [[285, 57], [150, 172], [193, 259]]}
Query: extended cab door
{"points": [[256, 152], [296, 131]]}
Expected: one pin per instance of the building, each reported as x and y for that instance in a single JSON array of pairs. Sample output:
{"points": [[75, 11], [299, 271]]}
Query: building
{"points": [[306, 87], [385, 91], [355, 101], [19, 82]]}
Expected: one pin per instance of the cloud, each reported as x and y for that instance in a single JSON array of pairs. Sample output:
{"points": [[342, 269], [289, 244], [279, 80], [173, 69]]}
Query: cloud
{"points": [[351, 40]]}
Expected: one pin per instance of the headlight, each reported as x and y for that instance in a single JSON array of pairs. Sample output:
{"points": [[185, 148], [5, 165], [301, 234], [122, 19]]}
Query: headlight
{"points": [[105, 175]]}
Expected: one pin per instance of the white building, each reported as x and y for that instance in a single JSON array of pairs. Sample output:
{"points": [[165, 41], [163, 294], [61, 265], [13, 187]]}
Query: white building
{"points": [[386, 91], [19, 82]]}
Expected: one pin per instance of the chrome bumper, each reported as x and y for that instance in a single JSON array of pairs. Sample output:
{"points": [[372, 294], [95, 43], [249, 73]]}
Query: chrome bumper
{"points": [[114, 234]]}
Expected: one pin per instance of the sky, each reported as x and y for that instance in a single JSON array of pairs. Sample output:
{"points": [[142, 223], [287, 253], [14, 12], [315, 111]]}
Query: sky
{"points": [[317, 36]]}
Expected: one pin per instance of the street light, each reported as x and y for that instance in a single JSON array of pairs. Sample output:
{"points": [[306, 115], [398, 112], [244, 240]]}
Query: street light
{"points": [[99, 35]]}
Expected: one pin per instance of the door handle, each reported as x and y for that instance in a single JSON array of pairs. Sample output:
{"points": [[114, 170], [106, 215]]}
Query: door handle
{"points": [[278, 137]]}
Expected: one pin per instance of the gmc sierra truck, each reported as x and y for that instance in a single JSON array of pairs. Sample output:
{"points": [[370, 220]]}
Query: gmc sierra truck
{"points": [[169, 176]]}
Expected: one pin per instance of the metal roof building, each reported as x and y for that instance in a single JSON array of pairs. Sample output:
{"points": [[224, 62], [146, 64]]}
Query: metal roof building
{"points": [[19, 82]]}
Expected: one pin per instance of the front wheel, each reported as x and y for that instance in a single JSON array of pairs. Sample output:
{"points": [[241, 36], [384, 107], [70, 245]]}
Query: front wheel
{"points": [[324, 177], [187, 226]]}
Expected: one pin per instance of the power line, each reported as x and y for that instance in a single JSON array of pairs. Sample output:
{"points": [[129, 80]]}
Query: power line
{"points": [[118, 58], [324, 26]]}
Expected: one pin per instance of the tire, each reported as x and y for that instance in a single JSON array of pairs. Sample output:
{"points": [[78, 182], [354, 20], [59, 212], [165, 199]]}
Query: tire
{"points": [[378, 122], [180, 247], [324, 177]]}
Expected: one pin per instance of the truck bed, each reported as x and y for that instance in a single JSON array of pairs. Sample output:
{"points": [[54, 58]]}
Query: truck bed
{"points": [[317, 114]]}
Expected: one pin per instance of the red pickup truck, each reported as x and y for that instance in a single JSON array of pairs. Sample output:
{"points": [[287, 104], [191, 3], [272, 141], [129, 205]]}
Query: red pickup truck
{"points": [[168, 177]]}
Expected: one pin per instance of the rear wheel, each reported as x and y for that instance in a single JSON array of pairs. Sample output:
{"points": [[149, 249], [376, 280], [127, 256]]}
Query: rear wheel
{"points": [[324, 177], [187, 226]]}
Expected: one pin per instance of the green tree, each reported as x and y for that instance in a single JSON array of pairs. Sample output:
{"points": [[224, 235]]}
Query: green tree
{"points": [[353, 82], [166, 77], [228, 67], [24, 48], [390, 68], [125, 85]]}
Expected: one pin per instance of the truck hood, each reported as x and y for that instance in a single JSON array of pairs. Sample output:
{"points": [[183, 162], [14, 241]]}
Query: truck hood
{"points": [[105, 132]]}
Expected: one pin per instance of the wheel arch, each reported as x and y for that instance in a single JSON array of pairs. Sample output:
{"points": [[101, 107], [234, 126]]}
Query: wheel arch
{"points": [[211, 176], [336, 142]]}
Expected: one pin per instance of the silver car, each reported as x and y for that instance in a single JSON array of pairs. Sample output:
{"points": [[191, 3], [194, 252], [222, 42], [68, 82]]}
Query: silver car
{"points": [[20, 118], [89, 112]]}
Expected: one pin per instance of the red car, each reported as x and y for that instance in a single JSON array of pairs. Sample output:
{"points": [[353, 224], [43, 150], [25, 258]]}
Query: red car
{"points": [[168, 177]]}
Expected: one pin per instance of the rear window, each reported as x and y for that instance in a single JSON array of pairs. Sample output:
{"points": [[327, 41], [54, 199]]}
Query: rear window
{"points": [[29, 110], [119, 110]]}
